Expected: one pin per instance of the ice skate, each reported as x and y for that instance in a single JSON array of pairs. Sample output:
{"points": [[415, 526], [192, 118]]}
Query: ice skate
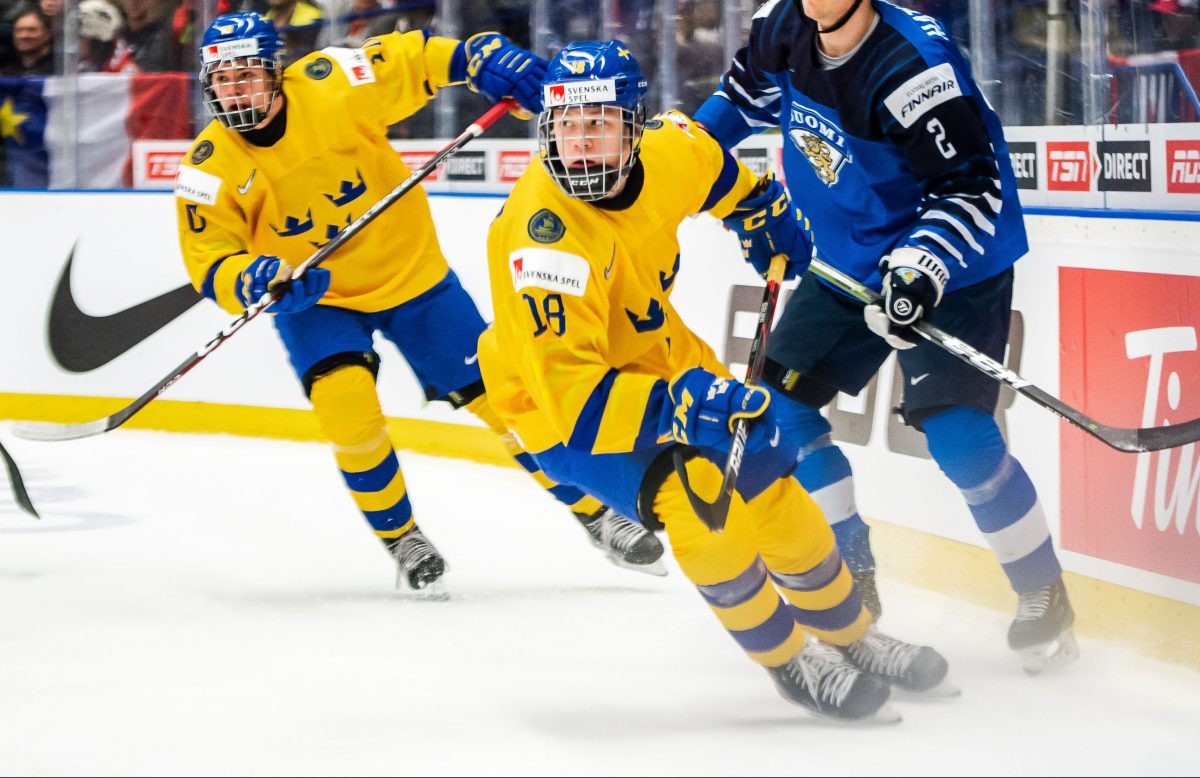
{"points": [[821, 680], [1041, 631], [418, 563], [907, 667], [626, 543]]}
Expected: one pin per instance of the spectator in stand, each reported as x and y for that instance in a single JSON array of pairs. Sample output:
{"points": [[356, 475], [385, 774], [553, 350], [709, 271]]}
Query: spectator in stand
{"points": [[1179, 21], [146, 44], [32, 46], [53, 9], [299, 23], [701, 58], [99, 23], [366, 19], [183, 22]]}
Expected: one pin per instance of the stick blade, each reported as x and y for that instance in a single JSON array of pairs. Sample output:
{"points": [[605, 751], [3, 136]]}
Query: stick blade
{"points": [[18, 484], [47, 430], [1172, 436]]}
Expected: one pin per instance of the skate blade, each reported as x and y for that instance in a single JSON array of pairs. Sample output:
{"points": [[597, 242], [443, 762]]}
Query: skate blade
{"points": [[946, 690], [656, 568], [885, 716], [434, 591], [1058, 652]]}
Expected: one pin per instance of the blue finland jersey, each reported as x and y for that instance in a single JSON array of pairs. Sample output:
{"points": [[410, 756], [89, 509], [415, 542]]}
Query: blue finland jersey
{"points": [[894, 147]]}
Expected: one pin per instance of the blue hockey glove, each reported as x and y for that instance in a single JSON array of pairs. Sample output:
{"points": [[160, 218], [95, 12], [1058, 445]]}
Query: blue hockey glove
{"points": [[497, 69], [266, 274], [766, 226], [913, 280], [704, 408]]}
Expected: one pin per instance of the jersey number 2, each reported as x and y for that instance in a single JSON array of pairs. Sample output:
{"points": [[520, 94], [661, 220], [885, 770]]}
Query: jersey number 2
{"points": [[551, 315], [939, 137]]}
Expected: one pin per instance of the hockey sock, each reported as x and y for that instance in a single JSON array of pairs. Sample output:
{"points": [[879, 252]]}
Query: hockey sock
{"points": [[348, 411], [968, 447], [573, 498], [824, 472]]}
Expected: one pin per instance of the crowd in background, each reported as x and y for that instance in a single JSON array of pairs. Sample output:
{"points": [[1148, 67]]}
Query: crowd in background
{"points": [[155, 36]]}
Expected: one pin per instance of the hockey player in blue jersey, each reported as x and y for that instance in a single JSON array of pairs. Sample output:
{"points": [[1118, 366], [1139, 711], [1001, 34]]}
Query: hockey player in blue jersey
{"points": [[901, 168]]}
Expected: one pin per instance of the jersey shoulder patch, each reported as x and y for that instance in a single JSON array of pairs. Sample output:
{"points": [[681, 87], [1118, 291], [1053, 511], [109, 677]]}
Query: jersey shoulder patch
{"points": [[546, 226], [197, 185], [353, 62], [674, 118], [923, 92], [549, 269]]}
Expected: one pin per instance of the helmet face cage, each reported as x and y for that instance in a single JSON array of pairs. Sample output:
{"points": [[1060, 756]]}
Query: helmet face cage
{"points": [[586, 172], [249, 99], [232, 44]]}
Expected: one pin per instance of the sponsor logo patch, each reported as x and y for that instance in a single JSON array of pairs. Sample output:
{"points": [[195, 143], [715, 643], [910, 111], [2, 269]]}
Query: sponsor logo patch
{"points": [[80, 342], [467, 166], [1183, 166], [553, 271], [600, 90], [1024, 158], [924, 91], [1124, 166], [243, 47], [1140, 369], [197, 186], [545, 226], [1070, 166], [354, 62], [513, 164]]}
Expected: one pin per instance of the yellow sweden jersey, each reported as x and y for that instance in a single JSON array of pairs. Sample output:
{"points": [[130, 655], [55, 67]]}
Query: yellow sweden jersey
{"points": [[584, 327], [236, 201]]}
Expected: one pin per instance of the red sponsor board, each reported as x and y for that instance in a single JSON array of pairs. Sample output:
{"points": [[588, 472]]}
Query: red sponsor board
{"points": [[417, 159], [1183, 166], [162, 165], [1071, 166], [1130, 358], [513, 164]]}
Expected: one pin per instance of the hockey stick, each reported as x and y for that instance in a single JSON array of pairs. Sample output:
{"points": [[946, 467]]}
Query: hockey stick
{"points": [[35, 430], [1132, 439], [18, 484], [714, 514]]}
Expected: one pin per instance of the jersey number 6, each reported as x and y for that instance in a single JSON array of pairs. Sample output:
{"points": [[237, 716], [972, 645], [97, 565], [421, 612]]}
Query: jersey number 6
{"points": [[551, 316]]}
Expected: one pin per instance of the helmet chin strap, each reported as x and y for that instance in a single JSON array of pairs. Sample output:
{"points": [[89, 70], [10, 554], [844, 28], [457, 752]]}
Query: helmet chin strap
{"points": [[841, 22]]}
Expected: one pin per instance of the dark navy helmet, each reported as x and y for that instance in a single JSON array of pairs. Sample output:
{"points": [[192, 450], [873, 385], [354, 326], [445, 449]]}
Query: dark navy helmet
{"points": [[235, 42], [602, 81]]}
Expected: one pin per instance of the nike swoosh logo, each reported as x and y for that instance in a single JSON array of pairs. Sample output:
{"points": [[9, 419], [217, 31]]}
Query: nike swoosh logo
{"points": [[81, 343], [246, 186], [918, 379], [471, 359], [612, 259], [775, 440]]}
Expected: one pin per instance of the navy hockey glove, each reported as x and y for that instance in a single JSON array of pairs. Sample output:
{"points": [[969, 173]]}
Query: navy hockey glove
{"points": [[913, 280], [496, 68], [766, 226], [266, 274], [704, 409]]}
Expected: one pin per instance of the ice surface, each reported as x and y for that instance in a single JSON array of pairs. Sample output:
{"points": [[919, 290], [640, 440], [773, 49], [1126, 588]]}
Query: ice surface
{"points": [[196, 604]]}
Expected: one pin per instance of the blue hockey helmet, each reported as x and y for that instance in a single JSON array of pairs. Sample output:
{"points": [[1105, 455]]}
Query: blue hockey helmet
{"points": [[581, 77], [236, 42]]}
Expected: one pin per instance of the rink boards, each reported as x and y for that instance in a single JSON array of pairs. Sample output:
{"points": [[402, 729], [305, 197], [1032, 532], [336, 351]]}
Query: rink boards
{"points": [[1108, 314]]}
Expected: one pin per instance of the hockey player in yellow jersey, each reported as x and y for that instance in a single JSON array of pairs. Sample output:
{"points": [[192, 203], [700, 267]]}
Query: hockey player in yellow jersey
{"points": [[592, 368], [293, 157]]}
